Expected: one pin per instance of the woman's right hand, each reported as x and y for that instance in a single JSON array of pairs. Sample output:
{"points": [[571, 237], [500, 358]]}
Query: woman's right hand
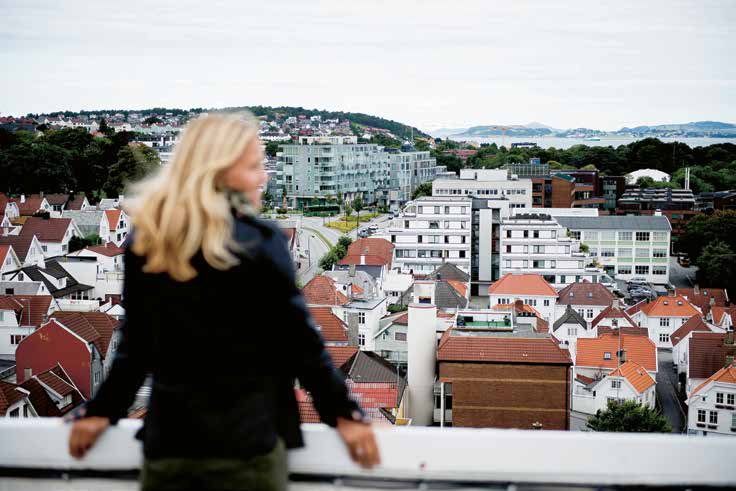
{"points": [[84, 434], [360, 440]]}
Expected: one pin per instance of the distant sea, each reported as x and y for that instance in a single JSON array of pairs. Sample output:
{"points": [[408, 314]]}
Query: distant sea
{"points": [[552, 141]]}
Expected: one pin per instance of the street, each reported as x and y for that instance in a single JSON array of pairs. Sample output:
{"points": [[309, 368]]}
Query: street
{"points": [[681, 277], [667, 391]]}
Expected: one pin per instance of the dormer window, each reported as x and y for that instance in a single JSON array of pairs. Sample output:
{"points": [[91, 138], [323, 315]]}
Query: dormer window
{"points": [[607, 355]]}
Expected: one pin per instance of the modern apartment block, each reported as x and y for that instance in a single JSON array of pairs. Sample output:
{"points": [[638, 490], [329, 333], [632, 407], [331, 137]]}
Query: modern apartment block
{"points": [[566, 188], [409, 169], [316, 170], [537, 243], [433, 230], [676, 204], [626, 246], [486, 184]]}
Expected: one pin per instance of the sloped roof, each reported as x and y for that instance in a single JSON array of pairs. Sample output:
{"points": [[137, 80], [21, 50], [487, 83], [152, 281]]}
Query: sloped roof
{"points": [[718, 313], [707, 353], [703, 297], [109, 249], [9, 395], [32, 309], [46, 229], [726, 375], [75, 203], [53, 268], [4, 251], [40, 399], [611, 312], [377, 252], [31, 205], [639, 349], [447, 297], [448, 271], [570, 316], [636, 374], [113, 216], [694, 323], [94, 327], [460, 286], [341, 354], [333, 329], [321, 291], [543, 350], [676, 306], [585, 293], [522, 284], [56, 198], [21, 244]]}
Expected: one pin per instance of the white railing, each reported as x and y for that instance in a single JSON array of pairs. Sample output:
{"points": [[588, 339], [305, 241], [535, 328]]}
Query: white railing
{"points": [[460, 455]]}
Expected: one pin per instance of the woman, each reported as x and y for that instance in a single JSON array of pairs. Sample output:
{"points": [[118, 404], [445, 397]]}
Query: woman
{"points": [[213, 313]]}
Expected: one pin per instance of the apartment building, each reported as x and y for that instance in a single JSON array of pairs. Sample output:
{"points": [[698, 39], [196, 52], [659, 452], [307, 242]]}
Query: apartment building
{"points": [[626, 246], [312, 170], [678, 205], [409, 168], [433, 230], [560, 188], [537, 243]]}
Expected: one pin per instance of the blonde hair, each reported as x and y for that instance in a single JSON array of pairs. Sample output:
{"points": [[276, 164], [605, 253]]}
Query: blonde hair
{"points": [[183, 208]]}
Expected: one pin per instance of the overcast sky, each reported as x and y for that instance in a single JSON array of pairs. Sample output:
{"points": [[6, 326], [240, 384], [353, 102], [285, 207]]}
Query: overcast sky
{"points": [[428, 63]]}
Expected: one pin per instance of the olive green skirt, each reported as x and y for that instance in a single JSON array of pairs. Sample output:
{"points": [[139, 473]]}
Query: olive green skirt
{"points": [[266, 472]]}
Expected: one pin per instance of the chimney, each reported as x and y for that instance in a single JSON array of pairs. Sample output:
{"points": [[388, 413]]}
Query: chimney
{"points": [[422, 356], [696, 289], [22, 198], [712, 301], [351, 269], [362, 259], [615, 303], [353, 329], [622, 356]]}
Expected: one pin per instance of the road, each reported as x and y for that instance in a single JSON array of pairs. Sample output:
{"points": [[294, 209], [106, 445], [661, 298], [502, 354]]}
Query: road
{"points": [[667, 391], [681, 277]]}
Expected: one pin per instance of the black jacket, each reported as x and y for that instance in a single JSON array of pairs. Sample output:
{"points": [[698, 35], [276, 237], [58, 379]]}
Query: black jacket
{"points": [[224, 349]]}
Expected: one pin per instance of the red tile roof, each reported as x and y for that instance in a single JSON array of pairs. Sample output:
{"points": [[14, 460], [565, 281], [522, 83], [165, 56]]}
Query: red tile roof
{"points": [[704, 296], [585, 293], [31, 205], [40, 399], [707, 353], [307, 411], [612, 313], [109, 249], [718, 313], [636, 374], [4, 251], [341, 354], [21, 244], [725, 375], [460, 286], [55, 383], [377, 252], [9, 395], [522, 284], [321, 291], [639, 349], [75, 203], [94, 327], [667, 306], [695, 323], [333, 329], [31, 310], [46, 229], [113, 216], [501, 349]]}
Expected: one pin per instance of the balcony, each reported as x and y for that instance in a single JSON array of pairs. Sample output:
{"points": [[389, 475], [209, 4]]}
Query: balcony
{"points": [[34, 456]]}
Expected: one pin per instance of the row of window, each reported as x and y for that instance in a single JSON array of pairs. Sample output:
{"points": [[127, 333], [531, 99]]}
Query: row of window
{"points": [[729, 398], [623, 236], [626, 252], [528, 301], [437, 210], [480, 192], [423, 253], [538, 264], [713, 417], [642, 270], [539, 249]]}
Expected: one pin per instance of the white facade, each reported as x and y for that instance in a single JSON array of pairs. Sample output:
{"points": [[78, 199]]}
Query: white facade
{"points": [[544, 304], [488, 184], [369, 314], [395, 285], [430, 231], [10, 262], [60, 248], [626, 246], [538, 244], [712, 410], [589, 399]]}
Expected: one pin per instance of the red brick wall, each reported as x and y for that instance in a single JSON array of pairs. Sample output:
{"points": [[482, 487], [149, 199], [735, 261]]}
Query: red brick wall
{"points": [[562, 192], [508, 395], [50, 345]]}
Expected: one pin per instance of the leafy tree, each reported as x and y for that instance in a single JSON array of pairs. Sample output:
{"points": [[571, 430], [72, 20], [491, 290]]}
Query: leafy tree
{"points": [[328, 260], [272, 148], [451, 161], [358, 206], [628, 416], [385, 140], [348, 210], [105, 128], [134, 162], [717, 265], [152, 120], [424, 189], [421, 145], [345, 241]]}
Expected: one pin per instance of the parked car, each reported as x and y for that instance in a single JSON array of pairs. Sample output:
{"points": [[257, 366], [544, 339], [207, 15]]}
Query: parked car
{"points": [[684, 261], [373, 229], [637, 280], [363, 234]]}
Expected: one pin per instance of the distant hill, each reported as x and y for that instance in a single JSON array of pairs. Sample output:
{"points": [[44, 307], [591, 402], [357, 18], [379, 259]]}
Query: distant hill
{"points": [[695, 129]]}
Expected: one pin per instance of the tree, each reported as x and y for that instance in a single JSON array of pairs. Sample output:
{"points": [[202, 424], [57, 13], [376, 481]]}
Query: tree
{"points": [[105, 128], [717, 265], [357, 206], [348, 211], [424, 189], [134, 162], [272, 148], [345, 241], [421, 145], [152, 120], [629, 416]]}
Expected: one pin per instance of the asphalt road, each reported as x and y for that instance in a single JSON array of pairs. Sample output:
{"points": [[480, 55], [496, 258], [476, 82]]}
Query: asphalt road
{"points": [[667, 391], [681, 277]]}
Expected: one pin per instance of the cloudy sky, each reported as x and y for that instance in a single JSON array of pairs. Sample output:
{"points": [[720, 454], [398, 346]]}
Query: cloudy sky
{"points": [[429, 63]]}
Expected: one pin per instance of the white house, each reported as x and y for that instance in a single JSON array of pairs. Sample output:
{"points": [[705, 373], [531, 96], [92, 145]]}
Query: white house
{"points": [[571, 326], [54, 234], [8, 259], [27, 248], [118, 223], [20, 315], [109, 256], [613, 318], [664, 316], [712, 405], [90, 222], [585, 298], [629, 382], [396, 286], [531, 289], [681, 340]]}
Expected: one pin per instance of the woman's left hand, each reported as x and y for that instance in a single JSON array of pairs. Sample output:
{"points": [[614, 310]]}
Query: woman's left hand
{"points": [[85, 433], [360, 440]]}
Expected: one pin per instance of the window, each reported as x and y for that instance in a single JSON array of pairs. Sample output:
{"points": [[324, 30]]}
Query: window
{"points": [[508, 234], [419, 239], [719, 397], [641, 269], [660, 236], [642, 253], [546, 303], [361, 339], [624, 270], [615, 384], [44, 248], [575, 234], [664, 322], [608, 235], [659, 253], [462, 254], [624, 252], [701, 415], [526, 234], [659, 270], [607, 252], [607, 355], [589, 313], [624, 236], [16, 338], [536, 234], [400, 336], [664, 337], [434, 225], [361, 317], [730, 399], [503, 301], [15, 413], [713, 418], [593, 252], [572, 331], [642, 236]]}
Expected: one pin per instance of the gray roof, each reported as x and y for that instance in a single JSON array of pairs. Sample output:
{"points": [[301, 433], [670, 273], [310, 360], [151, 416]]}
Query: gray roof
{"points": [[366, 366], [362, 279], [570, 317], [447, 298], [627, 222], [448, 271], [53, 268], [87, 221]]}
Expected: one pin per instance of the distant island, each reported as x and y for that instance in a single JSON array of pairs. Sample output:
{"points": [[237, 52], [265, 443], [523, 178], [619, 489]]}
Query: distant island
{"points": [[698, 129]]}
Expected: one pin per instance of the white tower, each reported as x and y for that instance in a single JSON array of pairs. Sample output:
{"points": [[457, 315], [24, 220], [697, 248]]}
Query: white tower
{"points": [[422, 343]]}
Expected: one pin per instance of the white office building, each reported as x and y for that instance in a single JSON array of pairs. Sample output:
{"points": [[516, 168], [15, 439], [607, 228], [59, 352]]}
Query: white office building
{"points": [[432, 230], [626, 246], [536, 243]]}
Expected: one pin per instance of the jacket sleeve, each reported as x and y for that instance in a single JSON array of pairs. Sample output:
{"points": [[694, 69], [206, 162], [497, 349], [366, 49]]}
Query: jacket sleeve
{"points": [[130, 365], [310, 361]]}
